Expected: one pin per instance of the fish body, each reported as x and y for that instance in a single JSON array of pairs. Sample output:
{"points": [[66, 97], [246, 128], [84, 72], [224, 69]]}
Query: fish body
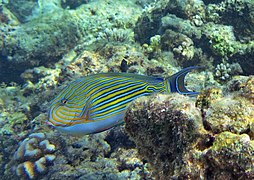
{"points": [[98, 102]]}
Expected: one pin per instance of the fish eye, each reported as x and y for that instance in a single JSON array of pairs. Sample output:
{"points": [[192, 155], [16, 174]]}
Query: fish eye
{"points": [[64, 101]]}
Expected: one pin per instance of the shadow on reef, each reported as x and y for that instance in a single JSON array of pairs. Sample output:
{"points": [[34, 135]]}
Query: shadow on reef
{"points": [[9, 74]]}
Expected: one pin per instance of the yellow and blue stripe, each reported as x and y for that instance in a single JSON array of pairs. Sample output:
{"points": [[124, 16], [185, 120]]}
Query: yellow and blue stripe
{"points": [[98, 102]]}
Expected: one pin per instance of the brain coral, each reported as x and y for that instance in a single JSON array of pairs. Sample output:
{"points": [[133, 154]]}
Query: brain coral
{"points": [[33, 156]]}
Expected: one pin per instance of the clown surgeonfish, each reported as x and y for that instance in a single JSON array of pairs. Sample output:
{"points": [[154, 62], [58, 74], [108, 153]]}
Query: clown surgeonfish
{"points": [[98, 102]]}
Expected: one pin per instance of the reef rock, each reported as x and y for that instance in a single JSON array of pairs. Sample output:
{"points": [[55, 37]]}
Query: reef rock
{"points": [[219, 29], [231, 157], [48, 31], [172, 134], [248, 89], [165, 129], [229, 114], [42, 40], [94, 157]]}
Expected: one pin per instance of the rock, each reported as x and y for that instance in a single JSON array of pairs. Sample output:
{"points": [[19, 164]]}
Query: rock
{"points": [[173, 135], [166, 130], [231, 156]]}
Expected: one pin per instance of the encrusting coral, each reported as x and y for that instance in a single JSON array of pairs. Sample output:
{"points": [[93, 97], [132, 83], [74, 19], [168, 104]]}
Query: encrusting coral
{"points": [[182, 143], [231, 157], [248, 89], [33, 156], [205, 26], [172, 127]]}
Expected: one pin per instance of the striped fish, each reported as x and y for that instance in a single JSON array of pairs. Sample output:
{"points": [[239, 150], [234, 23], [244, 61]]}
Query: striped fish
{"points": [[98, 102]]}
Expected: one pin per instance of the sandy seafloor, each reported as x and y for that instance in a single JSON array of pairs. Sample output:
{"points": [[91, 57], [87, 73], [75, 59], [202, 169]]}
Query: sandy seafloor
{"points": [[44, 45]]}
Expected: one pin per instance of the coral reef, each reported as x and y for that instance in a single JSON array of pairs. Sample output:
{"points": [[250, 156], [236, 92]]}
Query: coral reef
{"points": [[154, 48], [91, 157], [173, 126], [233, 113], [208, 96], [229, 114], [26, 10], [40, 79], [33, 156], [205, 26], [223, 72], [45, 44], [222, 39], [181, 142], [236, 13], [237, 151], [15, 108], [179, 44], [116, 35], [43, 40], [99, 156], [107, 59], [248, 89], [73, 4], [30, 48]]}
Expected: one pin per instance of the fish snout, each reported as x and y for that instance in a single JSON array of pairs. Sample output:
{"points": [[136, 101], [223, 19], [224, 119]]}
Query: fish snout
{"points": [[50, 124]]}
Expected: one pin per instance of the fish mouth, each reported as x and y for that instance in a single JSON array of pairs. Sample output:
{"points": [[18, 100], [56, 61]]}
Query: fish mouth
{"points": [[50, 124]]}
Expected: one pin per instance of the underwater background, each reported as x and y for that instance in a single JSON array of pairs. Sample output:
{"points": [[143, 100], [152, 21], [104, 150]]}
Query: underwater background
{"points": [[45, 44]]}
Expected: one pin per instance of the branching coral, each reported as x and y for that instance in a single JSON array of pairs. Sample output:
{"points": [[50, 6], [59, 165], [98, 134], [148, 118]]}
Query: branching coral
{"points": [[225, 71]]}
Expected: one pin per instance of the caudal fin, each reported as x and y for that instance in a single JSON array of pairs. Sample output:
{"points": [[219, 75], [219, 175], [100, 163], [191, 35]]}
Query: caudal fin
{"points": [[176, 81]]}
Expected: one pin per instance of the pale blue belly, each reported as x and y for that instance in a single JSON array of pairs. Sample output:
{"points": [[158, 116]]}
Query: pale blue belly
{"points": [[93, 127]]}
